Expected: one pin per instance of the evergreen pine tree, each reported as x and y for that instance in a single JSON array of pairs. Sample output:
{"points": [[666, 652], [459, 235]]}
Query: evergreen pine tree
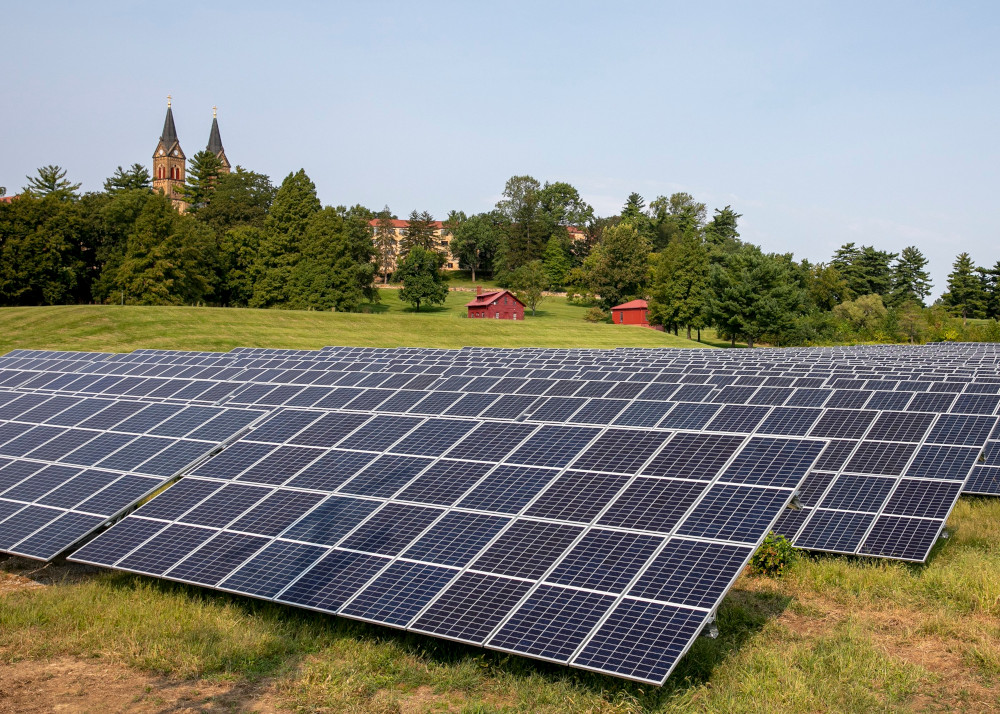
{"points": [[336, 270], [990, 278], [202, 177], [130, 179], [294, 205], [722, 235], [420, 231], [753, 294], [965, 296], [51, 181], [910, 280], [634, 208], [866, 270]]}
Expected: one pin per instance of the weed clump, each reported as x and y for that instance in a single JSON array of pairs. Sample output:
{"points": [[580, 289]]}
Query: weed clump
{"points": [[774, 557]]}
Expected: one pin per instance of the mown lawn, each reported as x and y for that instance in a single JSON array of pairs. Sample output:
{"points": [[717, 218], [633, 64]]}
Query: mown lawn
{"points": [[389, 323], [835, 634]]}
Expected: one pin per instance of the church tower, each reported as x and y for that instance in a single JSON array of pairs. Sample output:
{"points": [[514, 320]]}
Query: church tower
{"points": [[215, 143], [169, 163]]}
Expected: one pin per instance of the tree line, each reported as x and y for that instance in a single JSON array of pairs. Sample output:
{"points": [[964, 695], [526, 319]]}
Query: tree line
{"points": [[242, 241]]}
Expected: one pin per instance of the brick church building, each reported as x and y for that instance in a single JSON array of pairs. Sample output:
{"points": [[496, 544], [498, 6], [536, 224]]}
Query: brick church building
{"points": [[170, 163]]}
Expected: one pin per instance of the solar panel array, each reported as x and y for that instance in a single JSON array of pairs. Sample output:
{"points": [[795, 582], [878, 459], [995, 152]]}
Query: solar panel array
{"points": [[589, 507], [69, 465], [565, 543]]}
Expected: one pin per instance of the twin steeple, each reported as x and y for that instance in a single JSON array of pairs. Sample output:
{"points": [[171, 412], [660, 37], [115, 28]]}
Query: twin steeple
{"points": [[215, 142], [169, 161]]}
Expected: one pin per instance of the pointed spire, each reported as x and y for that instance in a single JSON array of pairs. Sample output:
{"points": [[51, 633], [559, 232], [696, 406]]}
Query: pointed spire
{"points": [[169, 134], [214, 137]]}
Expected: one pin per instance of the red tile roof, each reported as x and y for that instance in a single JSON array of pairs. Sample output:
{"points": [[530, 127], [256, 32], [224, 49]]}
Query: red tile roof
{"points": [[632, 305], [7, 199], [397, 223], [486, 298]]}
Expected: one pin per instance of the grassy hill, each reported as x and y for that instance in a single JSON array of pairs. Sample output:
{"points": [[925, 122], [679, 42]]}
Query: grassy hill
{"points": [[389, 323]]}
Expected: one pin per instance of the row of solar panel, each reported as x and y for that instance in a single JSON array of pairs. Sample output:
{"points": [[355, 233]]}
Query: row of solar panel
{"points": [[735, 422], [69, 465], [520, 558], [738, 422]]}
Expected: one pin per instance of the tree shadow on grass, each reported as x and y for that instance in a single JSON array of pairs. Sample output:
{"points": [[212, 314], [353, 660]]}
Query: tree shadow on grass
{"points": [[741, 616], [426, 309], [374, 308]]}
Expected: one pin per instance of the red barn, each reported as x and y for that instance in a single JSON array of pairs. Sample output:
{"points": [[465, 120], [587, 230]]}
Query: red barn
{"points": [[497, 305], [631, 313]]}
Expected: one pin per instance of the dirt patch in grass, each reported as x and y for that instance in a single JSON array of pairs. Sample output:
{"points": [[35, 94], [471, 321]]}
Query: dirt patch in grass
{"points": [[73, 685], [895, 632], [23, 573]]}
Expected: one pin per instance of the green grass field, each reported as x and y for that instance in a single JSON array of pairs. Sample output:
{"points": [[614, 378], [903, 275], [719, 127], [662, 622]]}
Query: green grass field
{"points": [[390, 323], [834, 634]]}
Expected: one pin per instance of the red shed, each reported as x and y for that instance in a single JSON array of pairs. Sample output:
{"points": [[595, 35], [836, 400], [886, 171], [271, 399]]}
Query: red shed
{"points": [[630, 313], [497, 305]]}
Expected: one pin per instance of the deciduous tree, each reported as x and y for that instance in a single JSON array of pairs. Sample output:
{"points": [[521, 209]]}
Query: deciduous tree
{"points": [[422, 278], [675, 215], [385, 243], [556, 263], [617, 269], [827, 287], [40, 251], [475, 242], [528, 282], [170, 259], [865, 315], [240, 198]]}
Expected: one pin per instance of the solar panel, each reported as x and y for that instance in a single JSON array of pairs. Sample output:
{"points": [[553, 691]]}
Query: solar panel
{"points": [[444, 520], [68, 481], [481, 541]]}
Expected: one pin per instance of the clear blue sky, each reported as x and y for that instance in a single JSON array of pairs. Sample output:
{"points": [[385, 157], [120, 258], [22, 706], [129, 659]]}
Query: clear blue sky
{"points": [[820, 122]]}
